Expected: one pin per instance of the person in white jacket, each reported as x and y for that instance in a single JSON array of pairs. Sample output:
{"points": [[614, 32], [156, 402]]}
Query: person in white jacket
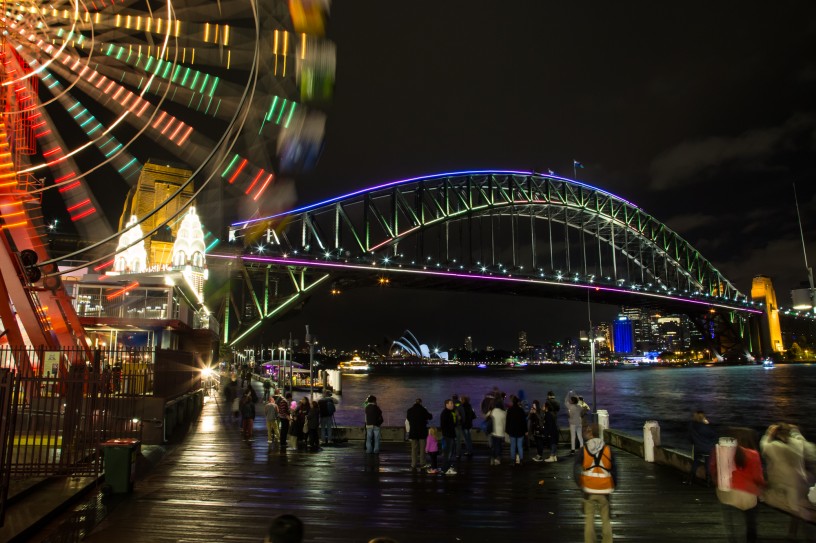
{"points": [[499, 417], [575, 414]]}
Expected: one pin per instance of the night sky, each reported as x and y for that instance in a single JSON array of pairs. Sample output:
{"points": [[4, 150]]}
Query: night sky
{"points": [[702, 114]]}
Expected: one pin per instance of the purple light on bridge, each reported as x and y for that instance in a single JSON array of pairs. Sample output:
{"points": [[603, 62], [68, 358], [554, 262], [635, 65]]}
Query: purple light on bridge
{"points": [[373, 266], [244, 224]]}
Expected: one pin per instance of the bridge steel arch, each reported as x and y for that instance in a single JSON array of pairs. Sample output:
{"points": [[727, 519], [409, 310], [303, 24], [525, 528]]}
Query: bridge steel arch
{"points": [[523, 229]]}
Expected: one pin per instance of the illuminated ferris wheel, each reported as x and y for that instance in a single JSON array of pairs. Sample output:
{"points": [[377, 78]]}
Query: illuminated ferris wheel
{"points": [[90, 90]]}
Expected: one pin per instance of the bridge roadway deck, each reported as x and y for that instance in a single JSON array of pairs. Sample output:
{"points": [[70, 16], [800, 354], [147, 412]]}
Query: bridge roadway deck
{"points": [[216, 487]]}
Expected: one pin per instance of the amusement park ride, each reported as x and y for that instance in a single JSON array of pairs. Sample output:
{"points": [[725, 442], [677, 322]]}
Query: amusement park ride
{"points": [[90, 92]]}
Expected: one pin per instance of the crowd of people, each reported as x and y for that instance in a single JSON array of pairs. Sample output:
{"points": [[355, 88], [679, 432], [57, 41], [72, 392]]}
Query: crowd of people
{"points": [[778, 469], [290, 424], [504, 419]]}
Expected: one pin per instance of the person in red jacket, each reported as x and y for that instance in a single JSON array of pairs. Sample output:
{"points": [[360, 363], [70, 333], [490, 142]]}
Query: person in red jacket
{"points": [[740, 503]]}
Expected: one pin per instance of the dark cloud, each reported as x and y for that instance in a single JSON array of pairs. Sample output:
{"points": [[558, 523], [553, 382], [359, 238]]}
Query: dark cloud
{"points": [[687, 223], [752, 150]]}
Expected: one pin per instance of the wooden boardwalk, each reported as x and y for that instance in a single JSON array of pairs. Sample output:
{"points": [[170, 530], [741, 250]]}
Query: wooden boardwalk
{"points": [[216, 487]]}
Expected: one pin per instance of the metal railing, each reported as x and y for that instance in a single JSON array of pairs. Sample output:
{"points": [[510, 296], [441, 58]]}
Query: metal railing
{"points": [[55, 415], [59, 422]]}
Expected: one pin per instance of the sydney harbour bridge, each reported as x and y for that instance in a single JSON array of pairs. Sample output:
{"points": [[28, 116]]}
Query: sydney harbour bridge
{"points": [[512, 232]]}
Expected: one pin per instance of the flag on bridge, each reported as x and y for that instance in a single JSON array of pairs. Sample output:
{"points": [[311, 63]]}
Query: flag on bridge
{"points": [[550, 171], [577, 164]]}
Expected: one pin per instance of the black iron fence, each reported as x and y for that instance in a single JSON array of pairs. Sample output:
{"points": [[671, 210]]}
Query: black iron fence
{"points": [[54, 415]]}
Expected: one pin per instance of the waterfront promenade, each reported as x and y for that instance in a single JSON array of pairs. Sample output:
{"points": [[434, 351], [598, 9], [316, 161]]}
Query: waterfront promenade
{"points": [[215, 487]]}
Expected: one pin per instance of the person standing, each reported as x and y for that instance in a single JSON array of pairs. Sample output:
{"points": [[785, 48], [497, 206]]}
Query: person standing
{"points": [[418, 417], [535, 427], [327, 409], [373, 421], [585, 412], [231, 391], [789, 457], [468, 415], [460, 435], [552, 404], [550, 433], [301, 428], [447, 425], [516, 428], [247, 408], [313, 423], [595, 473], [740, 503], [574, 415], [285, 418], [703, 438], [272, 415], [432, 448], [499, 418], [267, 386]]}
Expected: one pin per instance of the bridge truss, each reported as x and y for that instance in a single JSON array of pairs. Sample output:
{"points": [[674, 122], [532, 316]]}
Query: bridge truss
{"points": [[523, 232]]}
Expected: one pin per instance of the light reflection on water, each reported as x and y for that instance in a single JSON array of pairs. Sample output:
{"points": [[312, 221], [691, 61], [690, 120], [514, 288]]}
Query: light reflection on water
{"points": [[741, 396]]}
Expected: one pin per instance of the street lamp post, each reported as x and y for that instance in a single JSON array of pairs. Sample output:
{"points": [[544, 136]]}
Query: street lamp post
{"points": [[592, 362], [311, 361], [592, 359], [282, 369]]}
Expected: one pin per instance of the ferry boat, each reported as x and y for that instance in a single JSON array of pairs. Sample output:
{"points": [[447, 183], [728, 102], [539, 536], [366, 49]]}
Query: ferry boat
{"points": [[355, 365], [767, 363]]}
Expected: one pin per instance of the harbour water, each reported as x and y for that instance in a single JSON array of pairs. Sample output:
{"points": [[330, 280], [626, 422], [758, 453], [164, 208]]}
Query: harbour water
{"points": [[731, 396]]}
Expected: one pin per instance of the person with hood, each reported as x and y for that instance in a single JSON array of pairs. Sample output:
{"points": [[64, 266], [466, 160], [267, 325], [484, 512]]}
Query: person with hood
{"points": [[596, 474]]}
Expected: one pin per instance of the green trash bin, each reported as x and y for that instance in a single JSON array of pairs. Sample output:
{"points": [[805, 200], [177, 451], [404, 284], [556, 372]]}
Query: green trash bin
{"points": [[120, 464]]}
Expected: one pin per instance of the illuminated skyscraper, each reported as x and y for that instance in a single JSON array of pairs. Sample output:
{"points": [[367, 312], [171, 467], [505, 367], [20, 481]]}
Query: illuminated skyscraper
{"points": [[469, 344], [623, 337], [522, 341]]}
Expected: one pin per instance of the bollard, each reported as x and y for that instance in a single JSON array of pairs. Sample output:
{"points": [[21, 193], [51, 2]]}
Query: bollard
{"points": [[651, 439], [725, 450], [603, 420]]}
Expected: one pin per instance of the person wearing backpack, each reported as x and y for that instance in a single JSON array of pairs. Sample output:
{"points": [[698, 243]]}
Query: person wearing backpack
{"points": [[595, 473], [327, 409], [272, 418]]}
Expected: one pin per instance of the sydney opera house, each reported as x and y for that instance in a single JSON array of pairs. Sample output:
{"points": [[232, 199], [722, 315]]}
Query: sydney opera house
{"points": [[409, 346]]}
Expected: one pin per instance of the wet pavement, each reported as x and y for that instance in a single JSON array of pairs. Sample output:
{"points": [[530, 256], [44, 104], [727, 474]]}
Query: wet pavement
{"points": [[214, 486]]}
